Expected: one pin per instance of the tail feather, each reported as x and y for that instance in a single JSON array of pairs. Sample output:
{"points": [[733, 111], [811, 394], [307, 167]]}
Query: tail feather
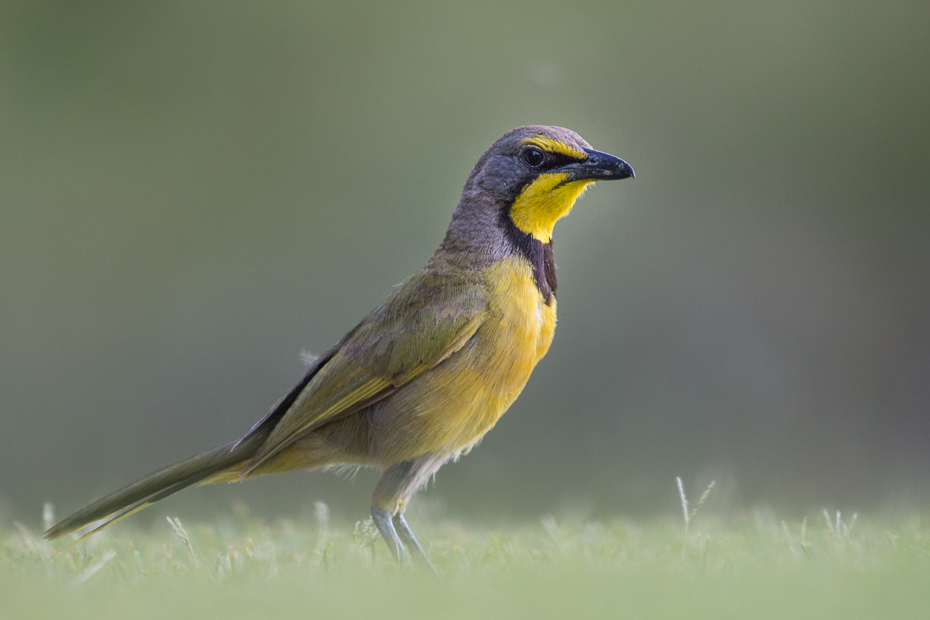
{"points": [[156, 486]]}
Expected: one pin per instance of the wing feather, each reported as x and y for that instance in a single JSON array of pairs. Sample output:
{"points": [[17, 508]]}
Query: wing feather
{"points": [[424, 321]]}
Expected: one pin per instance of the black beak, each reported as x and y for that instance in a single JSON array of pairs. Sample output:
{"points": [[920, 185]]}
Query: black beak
{"points": [[599, 166]]}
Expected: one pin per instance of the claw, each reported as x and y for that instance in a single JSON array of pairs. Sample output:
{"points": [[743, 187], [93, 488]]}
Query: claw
{"points": [[407, 536]]}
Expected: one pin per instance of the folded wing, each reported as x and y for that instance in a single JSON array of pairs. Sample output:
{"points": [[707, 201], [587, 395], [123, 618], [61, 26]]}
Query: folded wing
{"points": [[424, 321]]}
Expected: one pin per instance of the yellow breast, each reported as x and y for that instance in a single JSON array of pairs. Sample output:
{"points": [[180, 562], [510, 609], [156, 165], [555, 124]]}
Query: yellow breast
{"points": [[516, 337], [522, 322], [450, 407]]}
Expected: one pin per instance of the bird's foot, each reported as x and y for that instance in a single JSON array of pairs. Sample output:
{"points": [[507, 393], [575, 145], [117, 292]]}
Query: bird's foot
{"points": [[403, 530], [396, 533], [385, 525]]}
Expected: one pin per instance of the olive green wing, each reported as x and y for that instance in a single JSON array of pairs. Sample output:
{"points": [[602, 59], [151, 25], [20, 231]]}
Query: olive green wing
{"points": [[424, 321]]}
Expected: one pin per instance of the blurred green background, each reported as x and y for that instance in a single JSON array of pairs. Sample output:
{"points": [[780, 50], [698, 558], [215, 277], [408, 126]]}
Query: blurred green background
{"points": [[193, 192]]}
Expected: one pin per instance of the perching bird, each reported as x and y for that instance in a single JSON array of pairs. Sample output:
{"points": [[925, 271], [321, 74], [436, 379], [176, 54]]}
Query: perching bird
{"points": [[426, 374]]}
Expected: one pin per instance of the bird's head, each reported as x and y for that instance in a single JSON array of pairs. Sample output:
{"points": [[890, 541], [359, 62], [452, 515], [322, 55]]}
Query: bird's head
{"points": [[536, 173]]}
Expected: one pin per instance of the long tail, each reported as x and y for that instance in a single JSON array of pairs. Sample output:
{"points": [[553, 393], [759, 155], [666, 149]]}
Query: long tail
{"points": [[158, 485]]}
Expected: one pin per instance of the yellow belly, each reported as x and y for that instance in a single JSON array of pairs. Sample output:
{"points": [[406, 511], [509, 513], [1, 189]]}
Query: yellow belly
{"points": [[449, 408]]}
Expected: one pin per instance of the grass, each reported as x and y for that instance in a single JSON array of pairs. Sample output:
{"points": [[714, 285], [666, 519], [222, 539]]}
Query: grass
{"points": [[752, 566]]}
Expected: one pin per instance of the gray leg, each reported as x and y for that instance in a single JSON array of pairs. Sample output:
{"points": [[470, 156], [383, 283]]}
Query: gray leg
{"points": [[395, 488], [407, 536], [385, 525]]}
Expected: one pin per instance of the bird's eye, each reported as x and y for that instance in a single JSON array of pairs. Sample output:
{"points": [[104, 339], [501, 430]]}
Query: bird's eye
{"points": [[533, 157]]}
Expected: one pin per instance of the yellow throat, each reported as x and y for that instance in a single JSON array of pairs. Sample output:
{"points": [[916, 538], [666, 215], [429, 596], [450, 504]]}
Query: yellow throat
{"points": [[543, 202]]}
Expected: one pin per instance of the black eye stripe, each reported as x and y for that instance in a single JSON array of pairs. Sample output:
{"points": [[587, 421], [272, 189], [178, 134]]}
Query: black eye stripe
{"points": [[557, 160], [538, 159]]}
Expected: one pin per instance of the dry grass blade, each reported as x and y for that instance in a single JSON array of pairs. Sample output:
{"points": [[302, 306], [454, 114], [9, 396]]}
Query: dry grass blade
{"points": [[690, 514], [182, 534]]}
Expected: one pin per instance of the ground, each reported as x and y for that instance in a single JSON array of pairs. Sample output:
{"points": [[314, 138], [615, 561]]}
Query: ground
{"points": [[754, 565]]}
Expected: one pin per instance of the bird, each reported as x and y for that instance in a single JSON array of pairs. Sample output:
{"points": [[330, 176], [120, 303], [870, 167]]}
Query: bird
{"points": [[420, 380]]}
